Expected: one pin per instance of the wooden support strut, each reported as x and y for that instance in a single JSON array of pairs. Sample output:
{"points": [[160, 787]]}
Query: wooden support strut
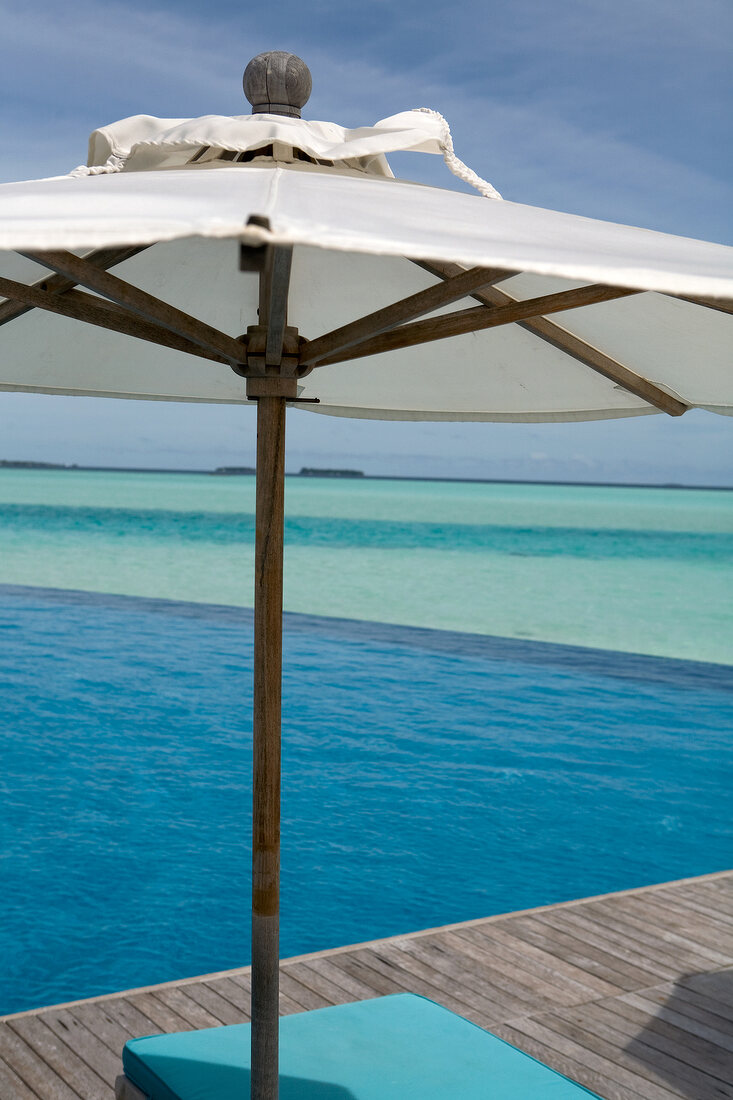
{"points": [[451, 290], [565, 341], [723, 305], [140, 302], [58, 284], [99, 312], [477, 319]]}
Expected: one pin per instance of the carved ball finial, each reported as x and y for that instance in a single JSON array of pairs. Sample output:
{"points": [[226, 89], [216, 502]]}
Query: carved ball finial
{"points": [[277, 83]]}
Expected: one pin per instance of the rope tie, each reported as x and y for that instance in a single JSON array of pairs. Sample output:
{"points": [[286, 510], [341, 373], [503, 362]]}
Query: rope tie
{"points": [[115, 163], [457, 167]]}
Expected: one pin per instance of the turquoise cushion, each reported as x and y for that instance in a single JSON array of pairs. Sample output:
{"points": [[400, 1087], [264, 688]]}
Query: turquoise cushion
{"points": [[391, 1048]]}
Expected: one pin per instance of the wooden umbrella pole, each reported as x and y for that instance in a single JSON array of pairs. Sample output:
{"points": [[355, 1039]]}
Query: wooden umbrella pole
{"points": [[266, 745], [279, 84]]}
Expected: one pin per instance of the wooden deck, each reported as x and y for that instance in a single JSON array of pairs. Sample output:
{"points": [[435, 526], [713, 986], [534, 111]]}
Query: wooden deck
{"points": [[631, 994]]}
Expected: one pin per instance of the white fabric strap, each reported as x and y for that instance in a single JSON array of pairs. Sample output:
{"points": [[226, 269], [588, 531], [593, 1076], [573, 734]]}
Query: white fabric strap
{"points": [[457, 167]]}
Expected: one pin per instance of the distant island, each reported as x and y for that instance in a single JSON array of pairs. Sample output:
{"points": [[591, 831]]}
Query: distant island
{"points": [[305, 471], [315, 471], [11, 464], [326, 471]]}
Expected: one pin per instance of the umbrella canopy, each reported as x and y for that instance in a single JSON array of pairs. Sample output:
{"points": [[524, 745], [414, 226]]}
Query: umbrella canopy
{"points": [[372, 297], [567, 335]]}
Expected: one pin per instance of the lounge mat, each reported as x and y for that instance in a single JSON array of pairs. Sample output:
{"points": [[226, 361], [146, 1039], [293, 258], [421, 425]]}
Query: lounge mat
{"points": [[390, 1048]]}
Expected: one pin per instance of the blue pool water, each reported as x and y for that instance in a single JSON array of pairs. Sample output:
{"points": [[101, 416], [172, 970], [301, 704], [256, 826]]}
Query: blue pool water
{"points": [[428, 777]]}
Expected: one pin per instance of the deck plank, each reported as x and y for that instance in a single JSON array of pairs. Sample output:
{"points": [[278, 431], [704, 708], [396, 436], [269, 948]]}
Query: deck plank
{"points": [[717, 985], [669, 1055], [592, 1053], [103, 1025], [127, 1015], [694, 1027], [594, 955], [630, 994], [212, 1001], [237, 988], [318, 982], [702, 925], [301, 995], [65, 1062], [667, 947], [12, 1085], [565, 1062], [658, 964], [674, 1039], [503, 965], [239, 998], [408, 973], [185, 1006], [162, 1016], [444, 980], [351, 986], [37, 1074], [92, 1050], [559, 969], [688, 1002]]}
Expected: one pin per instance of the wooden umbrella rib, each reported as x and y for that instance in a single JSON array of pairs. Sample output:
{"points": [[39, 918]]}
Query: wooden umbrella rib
{"points": [[723, 305], [58, 284], [140, 302], [602, 364], [96, 311], [586, 354], [425, 301], [479, 318]]}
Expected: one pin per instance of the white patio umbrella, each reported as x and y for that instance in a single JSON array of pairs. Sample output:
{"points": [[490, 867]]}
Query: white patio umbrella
{"points": [[410, 302]]}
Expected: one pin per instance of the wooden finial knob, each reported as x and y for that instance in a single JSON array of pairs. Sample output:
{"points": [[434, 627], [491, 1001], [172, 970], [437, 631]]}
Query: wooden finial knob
{"points": [[277, 83]]}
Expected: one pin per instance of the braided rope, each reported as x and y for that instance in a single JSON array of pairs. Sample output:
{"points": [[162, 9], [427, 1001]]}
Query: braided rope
{"points": [[457, 167], [115, 163]]}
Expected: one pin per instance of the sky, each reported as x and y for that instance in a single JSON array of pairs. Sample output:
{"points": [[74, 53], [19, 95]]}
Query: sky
{"points": [[615, 110]]}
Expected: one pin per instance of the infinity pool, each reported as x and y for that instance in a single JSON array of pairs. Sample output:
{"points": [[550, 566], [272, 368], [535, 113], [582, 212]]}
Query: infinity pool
{"points": [[429, 777]]}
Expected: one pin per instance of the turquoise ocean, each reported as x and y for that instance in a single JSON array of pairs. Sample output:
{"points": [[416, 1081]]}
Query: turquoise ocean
{"points": [[631, 569], [495, 696]]}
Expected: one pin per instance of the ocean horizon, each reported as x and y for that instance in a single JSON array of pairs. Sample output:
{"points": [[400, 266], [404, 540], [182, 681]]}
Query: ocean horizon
{"points": [[328, 472]]}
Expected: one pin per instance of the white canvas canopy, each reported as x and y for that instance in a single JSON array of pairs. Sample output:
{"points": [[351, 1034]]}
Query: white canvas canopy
{"points": [[359, 295], [359, 238]]}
